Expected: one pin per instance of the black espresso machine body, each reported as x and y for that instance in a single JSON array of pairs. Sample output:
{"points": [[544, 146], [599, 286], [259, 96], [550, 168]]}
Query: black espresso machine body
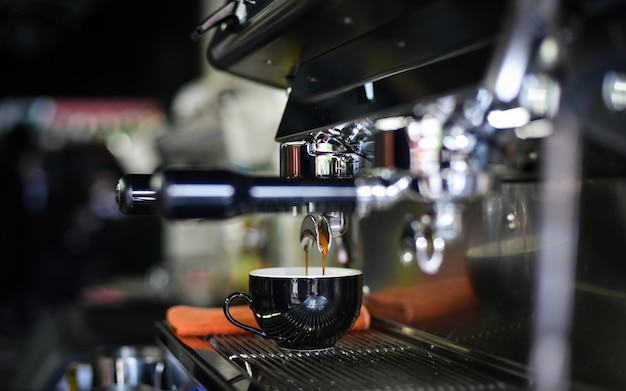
{"points": [[468, 156]]}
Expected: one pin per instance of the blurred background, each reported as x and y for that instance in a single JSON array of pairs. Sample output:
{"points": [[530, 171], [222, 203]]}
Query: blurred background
{"points": [[91, 90]]}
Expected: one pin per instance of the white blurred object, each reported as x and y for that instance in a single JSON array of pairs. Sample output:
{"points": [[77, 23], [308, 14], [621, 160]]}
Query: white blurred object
{"points": [[239, 117]]}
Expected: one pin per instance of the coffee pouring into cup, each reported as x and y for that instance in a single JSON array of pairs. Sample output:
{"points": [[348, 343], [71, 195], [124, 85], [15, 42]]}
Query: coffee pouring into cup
{"points": [[303, 308], [302, 311]]}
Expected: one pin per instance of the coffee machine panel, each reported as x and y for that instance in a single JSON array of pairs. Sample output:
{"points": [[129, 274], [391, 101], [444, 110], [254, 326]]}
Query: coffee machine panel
{"points": [[467, 156]]}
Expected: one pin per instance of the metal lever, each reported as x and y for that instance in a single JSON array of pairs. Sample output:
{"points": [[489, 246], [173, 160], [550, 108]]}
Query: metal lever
{"points": [[234, 10]]}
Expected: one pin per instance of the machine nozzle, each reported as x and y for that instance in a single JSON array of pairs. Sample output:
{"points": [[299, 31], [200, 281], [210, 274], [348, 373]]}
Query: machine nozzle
{"points": [[315, 230]]}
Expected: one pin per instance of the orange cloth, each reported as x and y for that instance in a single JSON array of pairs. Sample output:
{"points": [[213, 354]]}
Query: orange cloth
{"points": [[422, 302], [200, 321]]}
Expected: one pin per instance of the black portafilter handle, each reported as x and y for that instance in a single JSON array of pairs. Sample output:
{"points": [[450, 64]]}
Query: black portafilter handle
{"points": [[222, 194]]}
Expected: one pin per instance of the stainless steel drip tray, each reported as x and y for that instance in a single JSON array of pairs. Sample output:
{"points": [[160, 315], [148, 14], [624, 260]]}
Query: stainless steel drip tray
{"points": [[374, 359]]}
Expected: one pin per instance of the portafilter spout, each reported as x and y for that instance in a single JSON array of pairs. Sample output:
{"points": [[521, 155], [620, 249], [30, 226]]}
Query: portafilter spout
{"points": [[312, 230]]}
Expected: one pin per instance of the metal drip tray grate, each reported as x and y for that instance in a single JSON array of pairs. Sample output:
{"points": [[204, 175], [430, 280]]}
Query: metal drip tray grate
{"points": [[364, 360]]}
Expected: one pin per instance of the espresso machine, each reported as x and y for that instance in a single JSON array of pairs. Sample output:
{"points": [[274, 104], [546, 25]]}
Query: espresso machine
{"points": [[468, 156]]}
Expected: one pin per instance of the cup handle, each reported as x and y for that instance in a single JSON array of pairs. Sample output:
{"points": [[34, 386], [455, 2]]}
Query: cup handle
{"points": [[229, 299]]}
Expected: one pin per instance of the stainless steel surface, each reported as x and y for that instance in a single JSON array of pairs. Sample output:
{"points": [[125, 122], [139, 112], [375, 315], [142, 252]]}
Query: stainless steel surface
{"points": [[362, 361], [550, 357], [374, 359], [291, 160], [526, 24], [311, 231]]}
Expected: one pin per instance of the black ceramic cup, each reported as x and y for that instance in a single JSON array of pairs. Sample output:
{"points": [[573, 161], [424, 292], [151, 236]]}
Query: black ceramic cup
{"points": [[302, 311]]}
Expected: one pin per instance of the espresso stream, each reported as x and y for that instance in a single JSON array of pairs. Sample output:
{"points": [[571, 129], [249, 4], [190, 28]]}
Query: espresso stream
{"points": [[324, 241]]}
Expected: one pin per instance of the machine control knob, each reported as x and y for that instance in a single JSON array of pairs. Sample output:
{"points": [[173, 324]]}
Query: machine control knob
{"points": [[134, 195]]}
